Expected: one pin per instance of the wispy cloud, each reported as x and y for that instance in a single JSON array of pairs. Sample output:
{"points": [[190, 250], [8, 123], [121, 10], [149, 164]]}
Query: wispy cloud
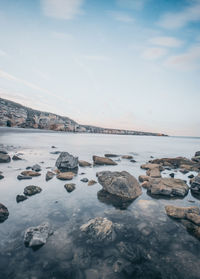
{"points": [[132, 4], [166, 41], [62, 9], [187, 60], [180, 19], [154, 53], [121, 16]]}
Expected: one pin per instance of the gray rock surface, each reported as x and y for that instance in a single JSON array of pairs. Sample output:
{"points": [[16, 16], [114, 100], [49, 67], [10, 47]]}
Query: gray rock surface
{"points": [[49, 175], [70, 187], [3, 213], [20, 198], [36, 168], [103, 161], [4, 158], [23, 177], [16, 158], [37, 236], [32, 190], [66, 161], [121, 184], [195, 185]]}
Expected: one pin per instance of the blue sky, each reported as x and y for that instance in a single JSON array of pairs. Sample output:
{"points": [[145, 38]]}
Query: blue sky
{"points": [[130, 64]]}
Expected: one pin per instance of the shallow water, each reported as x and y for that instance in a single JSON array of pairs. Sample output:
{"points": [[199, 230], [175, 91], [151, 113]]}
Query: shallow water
{"points": [[148, 243]]}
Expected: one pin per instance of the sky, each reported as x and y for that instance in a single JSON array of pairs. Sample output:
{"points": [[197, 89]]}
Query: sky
{"points": [[129, 64]]}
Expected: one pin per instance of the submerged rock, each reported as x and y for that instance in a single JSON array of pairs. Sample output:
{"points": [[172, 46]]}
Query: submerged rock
{"points": [[85, 180], [32, 190], [65, 175], [121, 184], [49, 175], [169, 187], [4, 213], [84, 163], [91, 182], [16, 158], [70, 187], [30, 173], [20, 198], [103, 161], [37, 236], [4, 158], [66, 161], [99, 230], [181, 212], [55, 152]]}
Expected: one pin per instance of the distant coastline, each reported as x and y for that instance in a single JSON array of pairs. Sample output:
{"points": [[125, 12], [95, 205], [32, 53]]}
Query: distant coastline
{"points": [[18, 116]]}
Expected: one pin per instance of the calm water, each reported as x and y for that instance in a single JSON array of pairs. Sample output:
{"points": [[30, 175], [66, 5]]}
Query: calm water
{"points": [[148, 243]]}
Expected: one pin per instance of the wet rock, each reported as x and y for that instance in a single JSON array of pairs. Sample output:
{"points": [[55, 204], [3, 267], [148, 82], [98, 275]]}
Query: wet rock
{"points": [[91, 182], [110, 155], [70, 187], [1, 176], [146, 184], [121, 184], [195, 218], [154, 172], [195, 186], [84, 163], [150, 166], [196, 159], [65, 175], [103, 161], [30, 173], [99, 230], [130, 252], [4, 158], [3, 151], [37, 236], [128, 157], [169, 187], [171, 175], [36, 168], [84, 180], [66, 162], [49, 175], [3, 213], [191, 176], [174, 162], [55, 152], [181, 212], [133, 161], [32, 190], [53, 146], [143, 178], [22, 177], [184, 171], [16, 158], [20, 198], [197, 154], [114, 200]]}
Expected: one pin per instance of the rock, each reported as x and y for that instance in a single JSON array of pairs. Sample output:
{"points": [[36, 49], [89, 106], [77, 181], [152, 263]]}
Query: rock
{"points": [[150, 166], [4, 158], [37, 236], [3, 213], [55, 152], [195, 218], [3, 151], [154, 172], [103, 161], [171, 175], [91, 182], [20, 198], [49, 175], [195, 185], [192, 228], [128, 157], [132, 161], [111, 155], [146, 184], [1, 176], [99, 230], [197, 154], [30, 173], [169, 187], [196, 159], [143, 178], [121, 184], [184, 171], [53, 146], [21, 177], [191, 176], [65, 175], [181, 212], [16, 158], [66, 162], [84, 180], [84, 163], [175, 162], [36, 168], [70, 187], [32, 190]]}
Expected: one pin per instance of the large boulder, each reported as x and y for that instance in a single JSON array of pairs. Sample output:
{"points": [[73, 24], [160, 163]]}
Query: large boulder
{"points": [[3, 213], [37, 236], [169, 187], [66, 162], [173, 162], [195, 185], [103, 161], [121, 184], [4, 158], [98, 230]]}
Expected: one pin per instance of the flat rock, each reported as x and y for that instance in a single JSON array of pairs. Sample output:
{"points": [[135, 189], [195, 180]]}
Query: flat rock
{"points": [[20, 198], [4, 158], [22, 177], [154, 172], [37, 236], [91, 182], [103, 161], [128, 157], [30, 173], [70, 187], [111, 155], [99, 230], [49, 175], [3, 213], [169, 187], [65, 175], [195, 218], [66, 161], [16, 158], [181, 212], [84, 163], [121, 184], [32, 190]]}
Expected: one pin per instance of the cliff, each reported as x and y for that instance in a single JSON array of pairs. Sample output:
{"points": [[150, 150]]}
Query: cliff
{"points": [[15, 115]]}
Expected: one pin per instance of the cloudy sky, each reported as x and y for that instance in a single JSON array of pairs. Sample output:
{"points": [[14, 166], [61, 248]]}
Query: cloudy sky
{"points": [[132, 64]]}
